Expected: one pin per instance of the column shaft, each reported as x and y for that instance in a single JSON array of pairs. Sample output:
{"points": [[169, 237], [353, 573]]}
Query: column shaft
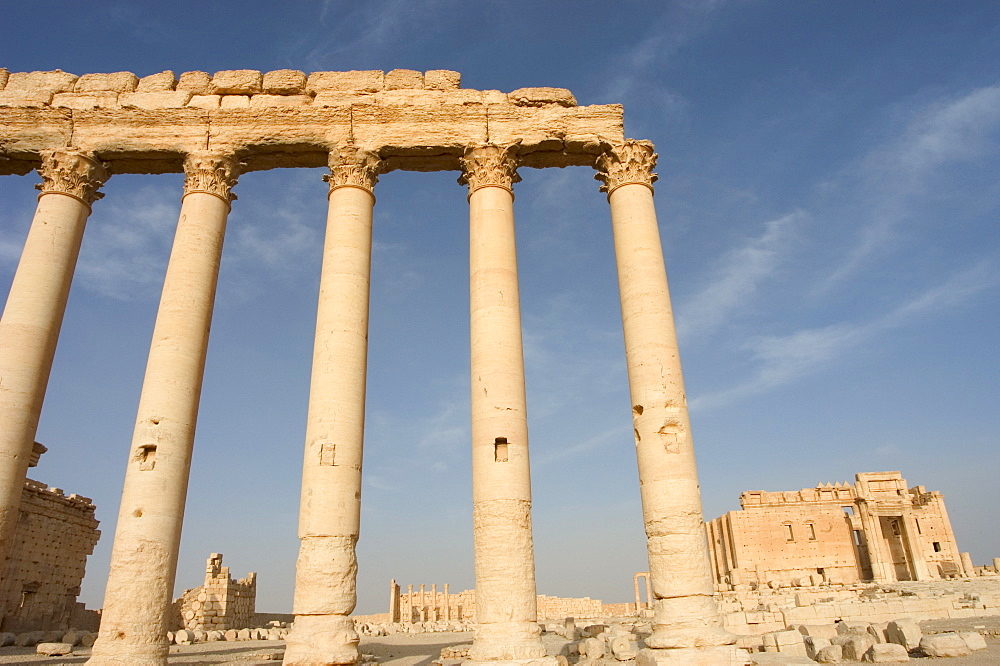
{"points": [[330, 505], [685, 614], [506, 611], [32, 317], [147, 537]]}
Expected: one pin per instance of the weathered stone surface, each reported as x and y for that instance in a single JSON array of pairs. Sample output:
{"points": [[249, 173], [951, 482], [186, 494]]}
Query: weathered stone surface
{"points": [[54, 649], [184, 637], [265, 101], [205, 101], [886, 653], [196, 82], [442, 79], [831, 654], [947, 644], [167, 99], [403, 78], [854, 645], [541, 97], [56, 81], [904, 631], [973, 639], [7, 638], [83, 101], [235, 102], [852, 627], [4, 75], [362, 80], [89, 639], [814, 644], [236, 82], [25, 98], [160, 82], [115, 82], [284, 82]]}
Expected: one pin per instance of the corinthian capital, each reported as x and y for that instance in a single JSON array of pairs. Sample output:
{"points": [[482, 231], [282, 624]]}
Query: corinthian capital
{"points": [[73, 173], [211, 173], [629, 163], [352, 167], [490, 165]]}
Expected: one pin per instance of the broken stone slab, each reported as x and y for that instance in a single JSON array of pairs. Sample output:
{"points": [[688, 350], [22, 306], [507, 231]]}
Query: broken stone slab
{"points": [[818, 630], [814, 644], [541, 97], [54, 649], [948, 644], [904, 631], [852, 627], [831, 654], [886, 653], [160, 82], [854, 644], [973, 639]]}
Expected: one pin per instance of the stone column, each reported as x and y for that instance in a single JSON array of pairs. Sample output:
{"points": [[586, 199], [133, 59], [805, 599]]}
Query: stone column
{"points": [[330, 505], [409, 604], [148, 534], [447, 604], [506, 613], [685, 615], [29, 327]]}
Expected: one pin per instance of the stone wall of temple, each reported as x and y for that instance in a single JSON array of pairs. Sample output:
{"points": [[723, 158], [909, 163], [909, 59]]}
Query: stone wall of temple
{"points": [[874, 530], [45, 565], [221, 603]]}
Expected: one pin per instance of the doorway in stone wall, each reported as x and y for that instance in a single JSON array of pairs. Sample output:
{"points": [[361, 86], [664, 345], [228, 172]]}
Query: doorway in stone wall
{"points": [[892, 533]]}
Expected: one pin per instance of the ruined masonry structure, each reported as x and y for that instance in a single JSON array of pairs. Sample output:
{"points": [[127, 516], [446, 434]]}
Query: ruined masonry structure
{"points": [[221, 603], [875, 530], [46, 558], [78, 131]]}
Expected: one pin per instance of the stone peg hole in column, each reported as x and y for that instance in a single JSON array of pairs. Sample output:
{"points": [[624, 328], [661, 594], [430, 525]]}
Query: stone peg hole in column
{"points": [[637, 409], [145, 455], [327, 454], [500, 449]]}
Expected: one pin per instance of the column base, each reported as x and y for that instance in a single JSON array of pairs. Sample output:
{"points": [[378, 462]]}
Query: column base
{"points": [[116, 653], [712, 655], [668, 638], [322, 640]]}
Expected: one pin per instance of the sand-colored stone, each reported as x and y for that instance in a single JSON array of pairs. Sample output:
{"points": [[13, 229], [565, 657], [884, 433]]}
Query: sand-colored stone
{"points": [[442, 79], [403, 78], [196, 82], [284, 82], [236, 82], [118, 82], [160, 82], [165, 99], [56, 81], [86, 100], [364, 80]]}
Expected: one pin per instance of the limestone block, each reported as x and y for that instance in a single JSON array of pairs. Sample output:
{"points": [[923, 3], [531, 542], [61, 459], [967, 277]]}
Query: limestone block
{"points": [[362, 80], [818, 630], [342, 98], [852, 627], [243, 634], [265, 101], [184, 637], [115, 82], [973, 639], [197, 82], [886, 653], [24, 98], [284, 82], [948, 644], [205, 101], [541, 97], [161, 82], [904, 631], [274, 634], [235, 102], [403, 78], [54, 649], [4, 75], [236, 82], [56, 81], [622, 649], [442, 79], [578, 127], [831, 654], [231, 635], [83, 101], [814, 644], [855, 645], [593, 648]]}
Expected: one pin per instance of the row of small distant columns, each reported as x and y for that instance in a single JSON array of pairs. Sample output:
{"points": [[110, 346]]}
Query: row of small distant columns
{"points": [[429, 606], [147, 539]]}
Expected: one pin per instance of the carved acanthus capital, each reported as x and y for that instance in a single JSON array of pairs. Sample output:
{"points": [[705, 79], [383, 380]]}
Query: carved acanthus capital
{"points": [[351, 166], [73, 173], [212, 173], [630, 163], [490, 165]]}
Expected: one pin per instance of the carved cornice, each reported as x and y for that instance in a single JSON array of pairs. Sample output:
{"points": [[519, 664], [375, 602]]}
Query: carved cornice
{"points": [[490, 166], [630, 163], [351, 166], [212, 173], [73, 173]]}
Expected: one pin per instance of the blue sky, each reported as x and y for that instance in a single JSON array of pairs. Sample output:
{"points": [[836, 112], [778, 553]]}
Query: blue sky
{"points": [[828, 198]]}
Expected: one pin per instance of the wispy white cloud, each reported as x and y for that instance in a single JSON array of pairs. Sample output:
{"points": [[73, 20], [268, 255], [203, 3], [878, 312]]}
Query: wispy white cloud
{"points": [[783, 359], [737, 276]]}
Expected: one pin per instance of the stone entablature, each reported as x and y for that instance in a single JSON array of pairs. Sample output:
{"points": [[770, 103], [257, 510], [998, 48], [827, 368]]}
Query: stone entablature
{"points": [[413, 120], [877, 529], [44, 568]]}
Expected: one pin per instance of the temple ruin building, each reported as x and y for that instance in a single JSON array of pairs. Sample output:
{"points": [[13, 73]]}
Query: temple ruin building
{"points": [[78, 131], [221, 603], [47, 557], [876, 530]]}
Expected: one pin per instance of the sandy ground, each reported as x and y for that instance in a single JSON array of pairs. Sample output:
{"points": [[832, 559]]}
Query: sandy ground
{"points": [[422, 649]]}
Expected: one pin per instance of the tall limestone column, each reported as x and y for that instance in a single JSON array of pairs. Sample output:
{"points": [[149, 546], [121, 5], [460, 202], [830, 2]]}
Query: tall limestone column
{"points": [[687, 625], [29, 328], [148, 534], [506, 615], [330, 504]]}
